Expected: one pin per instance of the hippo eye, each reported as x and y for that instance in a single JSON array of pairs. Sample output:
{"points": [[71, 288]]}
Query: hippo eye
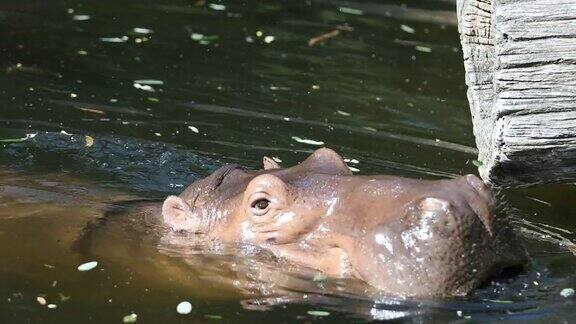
{"points": [[260, 205]]}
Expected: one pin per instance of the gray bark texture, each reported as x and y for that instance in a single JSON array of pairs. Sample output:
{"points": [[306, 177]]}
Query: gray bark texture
{"points": [[520, 61]]}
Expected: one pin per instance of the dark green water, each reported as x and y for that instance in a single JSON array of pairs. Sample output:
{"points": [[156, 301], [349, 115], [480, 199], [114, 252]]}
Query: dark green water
{"points": [[170, 90]]}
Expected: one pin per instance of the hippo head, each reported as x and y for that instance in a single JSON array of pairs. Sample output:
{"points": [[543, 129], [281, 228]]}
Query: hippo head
{"points": [[403, 236]]}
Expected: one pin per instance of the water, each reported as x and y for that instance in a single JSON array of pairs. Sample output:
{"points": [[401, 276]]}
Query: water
{"points": [[170, 90]]}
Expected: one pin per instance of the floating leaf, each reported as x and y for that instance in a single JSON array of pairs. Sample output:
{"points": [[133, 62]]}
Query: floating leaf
{"points": [[89, 140], [150, 82], [141, 30], [218, 7], [122, 39], [204, 39], [423, 49], [184, 308], [144, 87], [88, 266], [499, 301], [307, 141], [81, 17], [351, 11], [407, 29], [567, 292], [214, 317], [318, 313], [132, 318]]}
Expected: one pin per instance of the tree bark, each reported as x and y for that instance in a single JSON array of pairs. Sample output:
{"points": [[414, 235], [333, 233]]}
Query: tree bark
{"points": [[520, 61]]}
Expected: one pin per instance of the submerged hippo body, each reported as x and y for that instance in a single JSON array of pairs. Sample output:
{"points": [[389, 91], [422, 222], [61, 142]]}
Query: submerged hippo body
{"points": [[403, 236]]}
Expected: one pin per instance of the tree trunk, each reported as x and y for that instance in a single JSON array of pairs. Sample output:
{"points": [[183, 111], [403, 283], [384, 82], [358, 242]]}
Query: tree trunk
{"points": [[520, 61]]}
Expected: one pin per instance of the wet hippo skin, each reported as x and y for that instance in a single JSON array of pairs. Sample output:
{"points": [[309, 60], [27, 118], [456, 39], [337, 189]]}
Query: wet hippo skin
{"points": [[403, 236]]}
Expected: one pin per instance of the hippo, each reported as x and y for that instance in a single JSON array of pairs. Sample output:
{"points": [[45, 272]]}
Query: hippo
{"points": [[405, 237]]}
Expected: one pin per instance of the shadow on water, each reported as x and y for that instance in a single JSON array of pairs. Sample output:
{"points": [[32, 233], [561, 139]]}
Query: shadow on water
{"points": [[134, 100]]}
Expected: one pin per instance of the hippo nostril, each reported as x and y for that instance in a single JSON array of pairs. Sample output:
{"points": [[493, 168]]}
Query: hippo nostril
{"points": [[435, 207]]}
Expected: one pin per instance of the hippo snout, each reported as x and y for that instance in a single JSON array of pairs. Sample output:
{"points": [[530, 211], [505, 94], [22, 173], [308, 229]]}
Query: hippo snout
{"points": [[447, 244]]}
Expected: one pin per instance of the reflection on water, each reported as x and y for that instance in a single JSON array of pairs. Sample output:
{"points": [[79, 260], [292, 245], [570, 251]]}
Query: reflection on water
{"points": [[132, 100]]}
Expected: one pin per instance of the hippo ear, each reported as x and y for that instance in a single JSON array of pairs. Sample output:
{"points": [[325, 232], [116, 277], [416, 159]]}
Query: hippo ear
{"points": [[177, 214], [269, 163], [326, 161]]}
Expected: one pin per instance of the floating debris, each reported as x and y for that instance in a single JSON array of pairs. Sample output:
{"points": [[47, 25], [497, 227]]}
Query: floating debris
{"points": [[144, 31], [315, 87], [353, 169], [343, 113], [547, 204], [149, 82], [89, 140], [88, 266], [423, 49], [41, 300], [91, 110], [81, 17], [216, 6], [184, 308], [407, 29], [132, 318], [194, 129], [274, 88], [52, 306], [82, 52], [567, 292], [144, 87], [277, 159], [204, 39], [351, 11], [499, 301], [122, 39], [269, 39], [354, 161], [158, 134], [307, 141], [320, 38], [214, 317], [318, 313]]}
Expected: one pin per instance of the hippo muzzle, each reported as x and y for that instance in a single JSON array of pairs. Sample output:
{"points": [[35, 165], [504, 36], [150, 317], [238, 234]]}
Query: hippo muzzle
{"points": [[442, 246], [403, 236]]}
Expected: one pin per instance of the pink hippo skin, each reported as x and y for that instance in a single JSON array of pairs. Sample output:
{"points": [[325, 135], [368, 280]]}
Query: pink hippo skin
{"points": [[403, 236]]}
